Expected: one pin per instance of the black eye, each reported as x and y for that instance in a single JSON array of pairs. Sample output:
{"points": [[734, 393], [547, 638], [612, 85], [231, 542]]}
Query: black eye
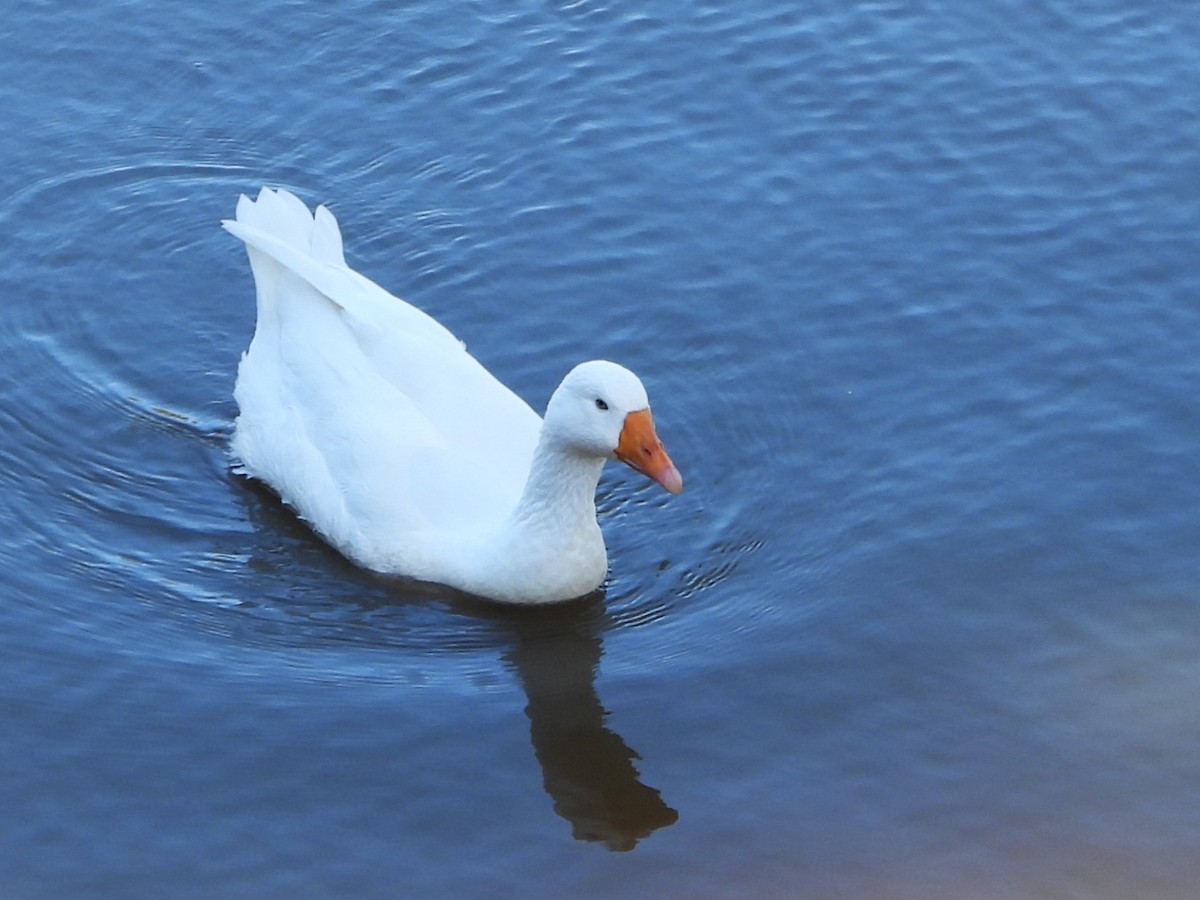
{"points": [[600, 404]]}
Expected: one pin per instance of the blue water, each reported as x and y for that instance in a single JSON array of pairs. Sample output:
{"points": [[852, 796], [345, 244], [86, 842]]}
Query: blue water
{"points": [[914, 289]]}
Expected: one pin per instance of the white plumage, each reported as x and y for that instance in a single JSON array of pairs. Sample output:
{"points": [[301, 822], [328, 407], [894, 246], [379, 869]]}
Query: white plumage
{"points": [[372, 421]]}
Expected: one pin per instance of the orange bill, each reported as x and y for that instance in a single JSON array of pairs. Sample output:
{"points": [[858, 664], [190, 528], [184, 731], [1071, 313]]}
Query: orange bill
{"points": [[640, 448]]}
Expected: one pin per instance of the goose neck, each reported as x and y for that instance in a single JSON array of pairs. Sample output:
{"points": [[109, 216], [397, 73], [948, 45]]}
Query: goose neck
{"points": [[561, 489]]}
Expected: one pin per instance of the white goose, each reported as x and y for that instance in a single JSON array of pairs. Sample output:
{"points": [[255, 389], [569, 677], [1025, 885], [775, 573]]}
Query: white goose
{"points": [[374, 423]]}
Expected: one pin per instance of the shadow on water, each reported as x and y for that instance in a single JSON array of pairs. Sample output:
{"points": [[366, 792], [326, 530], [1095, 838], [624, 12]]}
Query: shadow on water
{"points": [[587, 769]]}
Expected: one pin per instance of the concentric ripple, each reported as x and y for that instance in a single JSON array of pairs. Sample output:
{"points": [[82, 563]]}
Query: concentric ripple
{"points": [[119, 407]]}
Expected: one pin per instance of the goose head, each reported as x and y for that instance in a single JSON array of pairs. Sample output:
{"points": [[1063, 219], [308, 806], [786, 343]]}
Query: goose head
{"points": [[601, 410]]}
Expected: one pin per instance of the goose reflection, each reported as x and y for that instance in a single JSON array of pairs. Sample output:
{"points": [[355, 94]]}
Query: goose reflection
{"points": [[587, 769]]}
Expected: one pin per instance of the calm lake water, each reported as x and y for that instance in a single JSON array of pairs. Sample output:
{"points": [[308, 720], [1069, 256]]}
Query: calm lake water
{"points": [[915, 289]]}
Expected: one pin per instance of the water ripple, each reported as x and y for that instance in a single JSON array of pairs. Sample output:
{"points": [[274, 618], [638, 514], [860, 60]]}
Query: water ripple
{"points": [[135, 444]]}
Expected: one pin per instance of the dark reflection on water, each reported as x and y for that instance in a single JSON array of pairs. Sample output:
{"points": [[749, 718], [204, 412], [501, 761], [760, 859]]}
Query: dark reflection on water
{"points": [[587, 768]]}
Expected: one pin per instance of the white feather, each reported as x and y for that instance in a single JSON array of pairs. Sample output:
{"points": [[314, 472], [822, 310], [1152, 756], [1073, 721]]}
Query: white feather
{"points": [[395, 444]]}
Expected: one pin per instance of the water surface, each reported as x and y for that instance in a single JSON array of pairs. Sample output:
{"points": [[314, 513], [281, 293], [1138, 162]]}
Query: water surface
{"points": [[913, 287]]}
